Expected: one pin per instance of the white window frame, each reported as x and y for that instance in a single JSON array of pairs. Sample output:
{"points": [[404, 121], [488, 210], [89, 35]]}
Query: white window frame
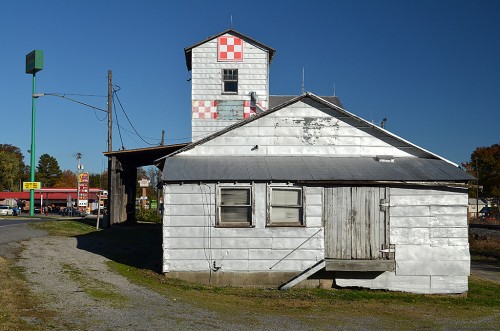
{"points": [[229, 81], [223, 223], [270, 206]]}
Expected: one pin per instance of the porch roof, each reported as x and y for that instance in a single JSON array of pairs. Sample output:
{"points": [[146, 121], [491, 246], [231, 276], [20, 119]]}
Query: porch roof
{"points": [[309, 168]]}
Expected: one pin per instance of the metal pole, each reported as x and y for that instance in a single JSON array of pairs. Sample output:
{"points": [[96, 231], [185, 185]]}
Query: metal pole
{"points": [[32, 151]]}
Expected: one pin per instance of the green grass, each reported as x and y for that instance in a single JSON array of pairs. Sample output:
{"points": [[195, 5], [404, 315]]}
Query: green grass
{"points": [[95, 288], [318, 308], [68, 228], [321, 307]]}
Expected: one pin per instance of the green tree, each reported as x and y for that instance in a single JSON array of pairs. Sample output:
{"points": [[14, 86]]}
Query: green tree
{"points": [[99, 180], [9, 171], [48, 171], [484, 164], [16, 172]]}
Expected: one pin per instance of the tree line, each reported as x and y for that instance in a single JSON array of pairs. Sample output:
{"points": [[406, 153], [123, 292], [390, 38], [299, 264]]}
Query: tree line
{"points": [[13, 172], [484, 164]]}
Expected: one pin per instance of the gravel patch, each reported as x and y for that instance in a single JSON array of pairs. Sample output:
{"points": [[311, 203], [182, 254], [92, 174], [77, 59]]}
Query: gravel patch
{"points": [[51, 263]]}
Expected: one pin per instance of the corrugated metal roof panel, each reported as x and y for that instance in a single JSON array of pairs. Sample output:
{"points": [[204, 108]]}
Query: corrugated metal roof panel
{"points": [[307, 168]]}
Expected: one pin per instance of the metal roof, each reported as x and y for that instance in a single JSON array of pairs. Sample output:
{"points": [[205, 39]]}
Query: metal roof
{"points": [[309, 169], [144, 156], [188, 50]]}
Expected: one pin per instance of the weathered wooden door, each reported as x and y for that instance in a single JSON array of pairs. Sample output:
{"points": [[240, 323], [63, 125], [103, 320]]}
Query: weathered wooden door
{"points": [[356, 222]]}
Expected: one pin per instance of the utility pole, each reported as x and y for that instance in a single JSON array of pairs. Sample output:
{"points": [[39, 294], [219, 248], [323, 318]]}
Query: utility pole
{"points": [[110, 108], [107, 221]]}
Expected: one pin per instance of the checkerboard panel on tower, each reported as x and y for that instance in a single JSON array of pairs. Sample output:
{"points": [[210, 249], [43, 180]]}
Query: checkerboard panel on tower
{"points": [[205, 109], [230, 48], [248, 110]]}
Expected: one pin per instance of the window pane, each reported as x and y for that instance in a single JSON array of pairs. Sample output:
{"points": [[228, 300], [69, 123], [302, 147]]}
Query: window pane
{"points": [[288, 215], [233, 197], [235, 214], [230, 86], [286, 197]]}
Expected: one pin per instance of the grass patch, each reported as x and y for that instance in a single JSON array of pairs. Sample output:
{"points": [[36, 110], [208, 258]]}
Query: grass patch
{"points": [[95, 288], [20, 309], [68, 228], [136, 254], [321, 308]]}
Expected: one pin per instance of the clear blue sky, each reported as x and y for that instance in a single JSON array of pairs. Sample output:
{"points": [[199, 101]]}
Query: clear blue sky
{"points": [[432, 68]]}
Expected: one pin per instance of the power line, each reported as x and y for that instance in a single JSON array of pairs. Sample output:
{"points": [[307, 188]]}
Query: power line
{"points": [[128, 119], [77, 94], [118, 125]]}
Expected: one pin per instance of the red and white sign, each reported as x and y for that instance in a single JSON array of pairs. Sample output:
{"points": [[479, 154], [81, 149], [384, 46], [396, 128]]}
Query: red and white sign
{"points": [[230, 48]]}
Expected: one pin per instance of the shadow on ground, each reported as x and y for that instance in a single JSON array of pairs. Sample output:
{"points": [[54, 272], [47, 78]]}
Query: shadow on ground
{"points": [[137, 245]]}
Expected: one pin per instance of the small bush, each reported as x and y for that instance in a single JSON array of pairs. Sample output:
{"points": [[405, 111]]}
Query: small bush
{"points": [[147, 215]]}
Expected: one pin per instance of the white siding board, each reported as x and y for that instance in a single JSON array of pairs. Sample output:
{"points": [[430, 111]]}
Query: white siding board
{"points": [[442, 268], [389, 281], [430, 253], [449, 284]]}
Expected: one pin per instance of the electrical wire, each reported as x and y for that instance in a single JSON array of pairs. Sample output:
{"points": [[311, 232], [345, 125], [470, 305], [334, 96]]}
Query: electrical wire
{"points": [[79, 95], [118, 125], [128, 119]]}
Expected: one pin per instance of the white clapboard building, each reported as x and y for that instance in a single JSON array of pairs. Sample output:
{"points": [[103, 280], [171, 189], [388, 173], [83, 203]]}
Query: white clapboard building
{"points": [[280, 190]]}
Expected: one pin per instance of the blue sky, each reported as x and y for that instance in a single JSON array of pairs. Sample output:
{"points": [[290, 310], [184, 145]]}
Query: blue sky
{"points": [[430, 67]]}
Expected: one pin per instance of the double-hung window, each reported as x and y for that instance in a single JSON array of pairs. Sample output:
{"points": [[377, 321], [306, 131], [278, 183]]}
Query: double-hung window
{"points": [[285, 206], [230, 81], [235, 206]]}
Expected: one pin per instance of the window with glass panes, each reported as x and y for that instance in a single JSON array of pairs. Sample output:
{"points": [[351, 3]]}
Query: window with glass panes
{"points": [[285, 206], [230, 80], [235, 206]]}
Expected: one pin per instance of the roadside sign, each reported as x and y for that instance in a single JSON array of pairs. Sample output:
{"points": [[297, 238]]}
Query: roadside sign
{"points": [[32, 186], [83, 177], [144, 182]]}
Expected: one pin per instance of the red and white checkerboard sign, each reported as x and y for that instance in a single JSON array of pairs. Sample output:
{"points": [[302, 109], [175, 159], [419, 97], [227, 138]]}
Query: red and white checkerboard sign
{"points": [[205, 109], [248, 110], [230, 49]]}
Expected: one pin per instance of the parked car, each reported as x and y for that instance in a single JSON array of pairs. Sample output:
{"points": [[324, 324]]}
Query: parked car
{"points": [[70, 211], [6, 210]]}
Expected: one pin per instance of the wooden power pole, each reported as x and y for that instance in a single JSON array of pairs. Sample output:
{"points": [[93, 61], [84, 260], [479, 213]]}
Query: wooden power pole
{"points": [[107, 222]]}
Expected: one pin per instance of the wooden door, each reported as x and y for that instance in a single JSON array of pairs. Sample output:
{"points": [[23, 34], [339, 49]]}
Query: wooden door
{"points": [[356, 222]]}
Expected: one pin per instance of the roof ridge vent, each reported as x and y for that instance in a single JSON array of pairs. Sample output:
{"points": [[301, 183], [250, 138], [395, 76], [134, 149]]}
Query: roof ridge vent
{"points": [[385, 158]]}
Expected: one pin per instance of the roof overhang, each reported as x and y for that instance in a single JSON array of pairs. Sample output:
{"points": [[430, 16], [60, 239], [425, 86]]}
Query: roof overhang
{"points": [[145, 156], [314, 169]]}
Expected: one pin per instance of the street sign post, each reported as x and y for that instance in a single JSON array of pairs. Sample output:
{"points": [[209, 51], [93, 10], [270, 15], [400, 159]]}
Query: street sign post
{"points": [[34, 63]]}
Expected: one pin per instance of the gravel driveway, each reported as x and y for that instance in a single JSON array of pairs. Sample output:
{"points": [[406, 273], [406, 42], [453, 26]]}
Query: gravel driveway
{"points": [[62, 269], [56, 268]]}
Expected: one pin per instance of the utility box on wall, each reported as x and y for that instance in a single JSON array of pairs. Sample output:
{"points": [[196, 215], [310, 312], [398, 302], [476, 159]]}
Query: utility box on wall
{"points": [[34, 61]]}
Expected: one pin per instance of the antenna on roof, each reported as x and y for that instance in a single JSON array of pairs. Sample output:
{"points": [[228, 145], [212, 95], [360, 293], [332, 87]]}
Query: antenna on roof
{"points": [[231, 21], [334, 94], [303, 79]]}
